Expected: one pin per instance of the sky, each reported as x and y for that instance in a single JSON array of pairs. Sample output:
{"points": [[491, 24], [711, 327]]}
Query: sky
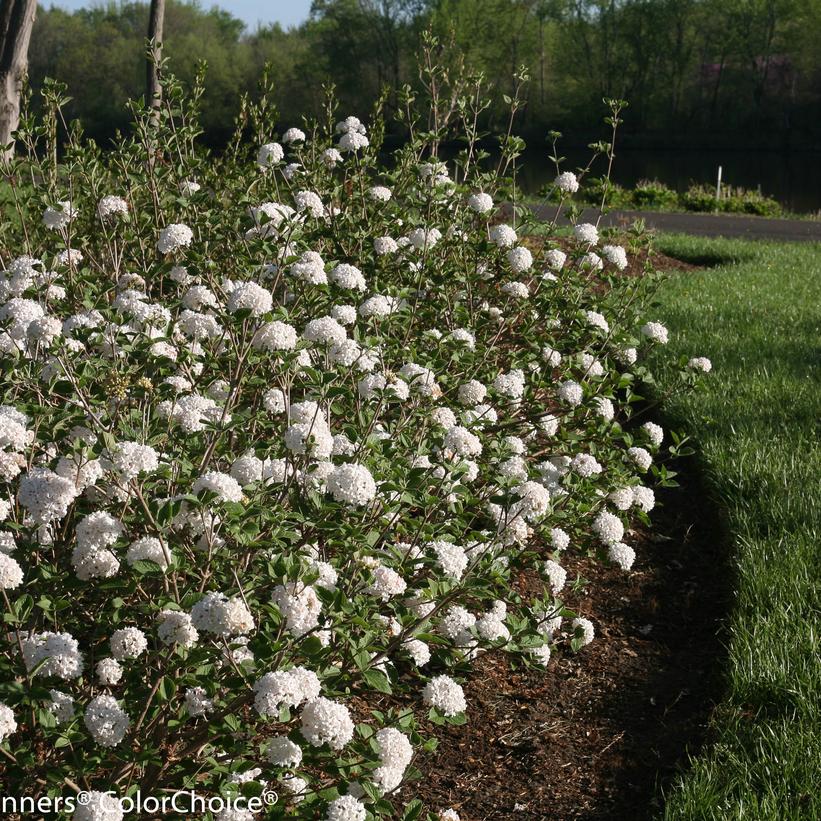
{"points": [[285, 12]]}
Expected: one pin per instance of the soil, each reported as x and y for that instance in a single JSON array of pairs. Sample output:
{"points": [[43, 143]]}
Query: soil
{"points": [[601, 733]]}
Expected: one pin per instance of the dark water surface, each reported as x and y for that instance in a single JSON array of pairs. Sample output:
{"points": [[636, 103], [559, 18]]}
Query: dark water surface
{"points": [[794, 179]]}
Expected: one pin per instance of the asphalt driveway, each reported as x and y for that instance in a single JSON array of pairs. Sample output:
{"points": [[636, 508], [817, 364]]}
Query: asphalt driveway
{"points": [[705, 225]]}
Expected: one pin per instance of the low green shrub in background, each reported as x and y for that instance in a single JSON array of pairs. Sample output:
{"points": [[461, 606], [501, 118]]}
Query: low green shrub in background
{"points": [[654, 194]]}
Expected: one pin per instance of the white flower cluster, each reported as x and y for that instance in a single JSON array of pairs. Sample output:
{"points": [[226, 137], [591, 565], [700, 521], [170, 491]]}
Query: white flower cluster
{"points": [[285, 435], [106, 721], [289, 687], [223, 616], [174, 237], [327, 722], [445, 695]]}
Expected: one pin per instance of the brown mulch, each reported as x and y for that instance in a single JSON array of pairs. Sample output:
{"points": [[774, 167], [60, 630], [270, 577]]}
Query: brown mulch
{"points": [[599, 733], [661, 262]]}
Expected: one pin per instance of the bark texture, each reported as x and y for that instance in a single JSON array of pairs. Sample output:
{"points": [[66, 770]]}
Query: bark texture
{"points": [[156, 20], [16, 23]]}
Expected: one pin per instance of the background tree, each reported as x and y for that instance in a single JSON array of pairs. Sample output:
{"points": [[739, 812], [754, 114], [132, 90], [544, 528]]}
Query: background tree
{"points": [[699, 71], [156, 21], [16, 23]]}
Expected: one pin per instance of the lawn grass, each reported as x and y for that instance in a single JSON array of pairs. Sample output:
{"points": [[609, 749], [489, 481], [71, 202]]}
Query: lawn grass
{"points": [[756, 313]]}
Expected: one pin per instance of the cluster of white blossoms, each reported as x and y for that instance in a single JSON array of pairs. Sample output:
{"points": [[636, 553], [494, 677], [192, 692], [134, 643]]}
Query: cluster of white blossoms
{"points": [[106, 721], [290, 687], [567, 182], [50, 654], [445, 695], [282, 435], [174, 237], [223, 616]]}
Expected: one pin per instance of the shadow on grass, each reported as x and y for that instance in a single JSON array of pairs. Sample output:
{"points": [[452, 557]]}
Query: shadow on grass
{"points": [[713, 258]]}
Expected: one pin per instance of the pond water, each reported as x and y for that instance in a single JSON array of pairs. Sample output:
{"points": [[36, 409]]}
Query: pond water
{"points": [[793, 179]]}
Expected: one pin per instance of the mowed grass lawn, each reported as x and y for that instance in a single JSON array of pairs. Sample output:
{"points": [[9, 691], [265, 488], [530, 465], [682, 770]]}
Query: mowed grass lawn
{"points": [[756, 313]]}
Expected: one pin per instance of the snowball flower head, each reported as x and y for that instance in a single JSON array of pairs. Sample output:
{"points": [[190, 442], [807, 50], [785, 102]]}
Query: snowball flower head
{"points": [[147, 549], [309, 201], [700, 363], [608, 527], [128, 643], [223, 485], [585, 628], [615, 255], [585, 465], [251, 297], [109, 672], [557, 576], [503, 235], [641, 457], [330, 157], [555, 259], [353, 141], [352, 484], [462, 442], [61, 706], [216, 613], [269, 155], [57, 217], [324, 331], [567, 182], [111, 206], [586, 232], [346, 808], [53, 654], [621, 554], [45, 495], [480, 202], [644, 498], [173, 237], [349, 124], [445, 695], [387, 583], [592, 261], [130, 459], [8, 725], [348, 276], [655, 332], [472, 392], [597, 320], [520, 259], [197, 702], [655, 433], [106, 721], [282, 752], [385, 245], [275, 336], [452, 558], [177, 628], [293, 135], [99, 806], [327, 722], [11, 574], [571, 393], [380, 193], [285, 687]]}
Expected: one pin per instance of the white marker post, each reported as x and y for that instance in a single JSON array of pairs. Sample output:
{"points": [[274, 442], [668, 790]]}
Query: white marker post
{"points": [[718, 186]]}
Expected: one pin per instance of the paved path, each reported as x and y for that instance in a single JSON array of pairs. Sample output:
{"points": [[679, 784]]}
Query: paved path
{"points": [[707, 225]]}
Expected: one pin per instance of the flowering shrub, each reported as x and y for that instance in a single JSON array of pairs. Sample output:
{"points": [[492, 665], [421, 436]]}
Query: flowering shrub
{"points": [[280, 435]]}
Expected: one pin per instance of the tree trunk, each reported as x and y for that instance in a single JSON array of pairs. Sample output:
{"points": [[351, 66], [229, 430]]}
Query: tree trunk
{"points": [[156, 18], [16, 23]]}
